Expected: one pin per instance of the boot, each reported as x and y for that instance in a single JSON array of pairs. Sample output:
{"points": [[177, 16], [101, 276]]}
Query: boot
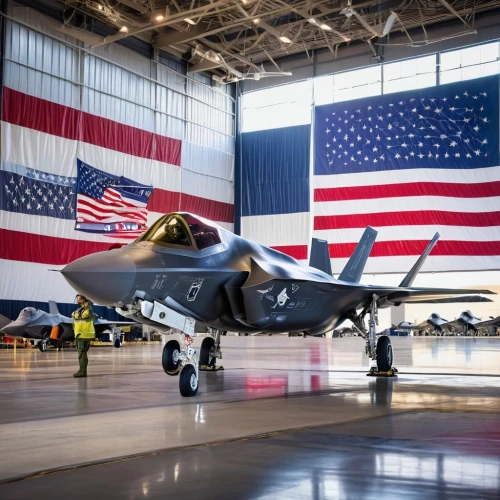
{"points": [[79, 374]]}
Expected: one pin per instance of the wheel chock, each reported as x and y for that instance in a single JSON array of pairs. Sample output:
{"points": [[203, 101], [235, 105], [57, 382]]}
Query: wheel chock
{"points": [[174, 372], [375, 373], [207, 368]]}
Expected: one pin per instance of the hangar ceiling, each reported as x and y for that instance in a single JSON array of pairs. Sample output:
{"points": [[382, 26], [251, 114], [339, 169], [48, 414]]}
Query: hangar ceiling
{"points": [[234, 38]]}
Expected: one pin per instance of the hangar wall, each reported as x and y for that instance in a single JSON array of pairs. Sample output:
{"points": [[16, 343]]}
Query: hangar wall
{"points": [[114, 110]]}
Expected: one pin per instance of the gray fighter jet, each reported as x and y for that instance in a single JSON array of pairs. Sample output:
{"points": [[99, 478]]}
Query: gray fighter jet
{"points": [[36, 324], [188, 273]]}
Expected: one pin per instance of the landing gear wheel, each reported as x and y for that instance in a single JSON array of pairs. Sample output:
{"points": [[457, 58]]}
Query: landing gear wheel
{"points": [[42, 345], [188, 381], [118, 343], [384, 354], [205, 358], [170, 357]]}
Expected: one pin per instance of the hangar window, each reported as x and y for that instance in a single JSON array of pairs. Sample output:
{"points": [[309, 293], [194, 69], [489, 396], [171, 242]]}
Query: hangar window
{"points": [[469, 63], [416, 73], [277, 107], [356, 84]]}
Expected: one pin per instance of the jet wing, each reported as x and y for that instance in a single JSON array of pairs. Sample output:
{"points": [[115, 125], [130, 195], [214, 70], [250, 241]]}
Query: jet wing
{"points": [[489, 322], [389, 297]]}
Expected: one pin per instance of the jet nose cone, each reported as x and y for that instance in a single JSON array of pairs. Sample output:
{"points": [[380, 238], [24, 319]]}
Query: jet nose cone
{"points": [[106, 278]]}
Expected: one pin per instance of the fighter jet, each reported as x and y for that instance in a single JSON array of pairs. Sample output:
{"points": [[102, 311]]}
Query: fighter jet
{"points": [[37, 324], [466, 322], [188, 273]]}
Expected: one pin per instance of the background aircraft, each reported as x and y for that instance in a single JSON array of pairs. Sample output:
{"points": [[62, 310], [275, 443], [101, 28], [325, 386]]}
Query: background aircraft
{"points": [[37, 324], [464, 323], [188, 273]]}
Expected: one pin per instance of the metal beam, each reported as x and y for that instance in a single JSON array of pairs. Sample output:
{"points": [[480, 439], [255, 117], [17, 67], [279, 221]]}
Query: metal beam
{"points": [[204, 65], [172, 19], [136, 6], [445, 4], [221, 49], [173, 37]]}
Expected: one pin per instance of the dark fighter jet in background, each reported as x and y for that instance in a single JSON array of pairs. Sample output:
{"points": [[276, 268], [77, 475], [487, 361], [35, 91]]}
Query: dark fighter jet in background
{"points": [[464, 323], [188, 273], [36, 324]]}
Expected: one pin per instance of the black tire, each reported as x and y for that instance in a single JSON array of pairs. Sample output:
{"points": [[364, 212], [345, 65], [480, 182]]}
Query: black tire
{"points": [[118, 343], [170, 357], [205, 358], [384, 354], [42, 345], [188, 382]]}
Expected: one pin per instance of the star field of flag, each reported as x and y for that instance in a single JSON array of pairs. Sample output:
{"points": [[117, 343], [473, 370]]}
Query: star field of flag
{"points": [[38, 193], [450, 126]]}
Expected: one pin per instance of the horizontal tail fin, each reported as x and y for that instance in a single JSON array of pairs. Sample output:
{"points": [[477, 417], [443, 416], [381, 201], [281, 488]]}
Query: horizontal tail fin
{"points": [[320, 256], [356, 264], [410, 277]]}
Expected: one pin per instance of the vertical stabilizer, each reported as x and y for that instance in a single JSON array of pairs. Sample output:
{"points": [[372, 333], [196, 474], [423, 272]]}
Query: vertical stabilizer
{"points": [[356, 264], [53, 309], [410, 277], [320, 256]]}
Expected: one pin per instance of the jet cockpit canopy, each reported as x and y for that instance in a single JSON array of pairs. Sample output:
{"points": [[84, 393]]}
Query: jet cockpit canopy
{"points": [[181, 230]]}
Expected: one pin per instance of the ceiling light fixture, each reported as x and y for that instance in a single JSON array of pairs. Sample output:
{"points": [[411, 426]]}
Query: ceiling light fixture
{"points": [[256, 20], [124, 29], [285, 39], [312, 20], [99, 6], [325, 27], [190, 21], [159, 17]]}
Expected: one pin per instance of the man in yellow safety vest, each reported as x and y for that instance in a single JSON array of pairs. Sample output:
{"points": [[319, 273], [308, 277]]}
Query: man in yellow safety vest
{"points": [[83, 326]]}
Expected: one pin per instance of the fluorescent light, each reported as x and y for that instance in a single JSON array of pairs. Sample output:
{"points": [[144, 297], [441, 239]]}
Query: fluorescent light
{"points": [[124, 29], [159, 17], [325, 27], [285, 39], [189, 21]]}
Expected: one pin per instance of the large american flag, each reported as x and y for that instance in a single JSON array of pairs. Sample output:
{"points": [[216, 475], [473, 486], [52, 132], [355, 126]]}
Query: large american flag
{"points": [[111, 205], [410, 164]]}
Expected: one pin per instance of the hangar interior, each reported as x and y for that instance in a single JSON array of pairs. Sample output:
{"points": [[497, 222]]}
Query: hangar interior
{"points": [[281, 122]]}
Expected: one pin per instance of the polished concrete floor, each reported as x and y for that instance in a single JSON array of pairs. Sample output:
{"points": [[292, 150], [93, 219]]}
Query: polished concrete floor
{"points": [[287, 418]]}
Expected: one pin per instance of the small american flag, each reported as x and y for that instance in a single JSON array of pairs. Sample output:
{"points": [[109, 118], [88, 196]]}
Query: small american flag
{"points": [[115, 206]]}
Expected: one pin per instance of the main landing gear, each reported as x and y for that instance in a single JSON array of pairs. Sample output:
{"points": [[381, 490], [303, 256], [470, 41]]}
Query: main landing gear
{"points": [[184, 360], [378, 350], [210, 351]]}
